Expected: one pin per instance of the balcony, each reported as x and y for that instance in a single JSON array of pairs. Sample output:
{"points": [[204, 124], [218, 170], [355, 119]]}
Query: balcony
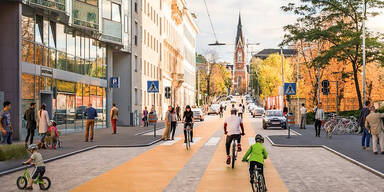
{"points": [[112, 31], [177, 14], [54, 5], [85, 16], [177, 80]]}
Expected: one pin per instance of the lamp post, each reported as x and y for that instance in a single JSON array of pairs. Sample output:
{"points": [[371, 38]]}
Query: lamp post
{"points": [[363, 49]]}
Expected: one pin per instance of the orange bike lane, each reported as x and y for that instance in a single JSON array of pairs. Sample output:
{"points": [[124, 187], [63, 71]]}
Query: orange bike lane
{"points": [[220, 177], [154, 169]]}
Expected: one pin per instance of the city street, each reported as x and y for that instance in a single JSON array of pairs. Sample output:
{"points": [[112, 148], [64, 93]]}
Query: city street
{"points": [[168, 166]]}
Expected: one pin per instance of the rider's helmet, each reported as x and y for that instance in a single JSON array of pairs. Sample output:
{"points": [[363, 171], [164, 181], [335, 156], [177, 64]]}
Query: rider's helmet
{"points": [[32, 147], [259, 138]]}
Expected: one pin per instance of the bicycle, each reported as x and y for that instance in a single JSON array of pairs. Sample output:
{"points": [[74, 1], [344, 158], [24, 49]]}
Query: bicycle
{"points": [[234, 153], [257, 181], [189, 138], [22, 181]]}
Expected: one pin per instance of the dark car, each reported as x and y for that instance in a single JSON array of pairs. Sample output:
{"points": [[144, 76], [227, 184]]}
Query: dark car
{"points": [[80, 112], [274, 118]]}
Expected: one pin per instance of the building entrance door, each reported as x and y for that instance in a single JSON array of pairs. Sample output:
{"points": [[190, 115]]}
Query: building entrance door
{"points": [[46, 98]]}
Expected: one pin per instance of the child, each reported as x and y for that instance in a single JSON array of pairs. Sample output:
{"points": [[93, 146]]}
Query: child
{"points": [[54, 134], [37, 160], [257, 154]]}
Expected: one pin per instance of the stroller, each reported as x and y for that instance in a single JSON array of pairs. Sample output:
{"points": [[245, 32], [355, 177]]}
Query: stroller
{"points": [[53, 137]]}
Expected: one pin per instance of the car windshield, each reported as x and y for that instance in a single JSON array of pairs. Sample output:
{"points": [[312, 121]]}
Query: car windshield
{"points": [[274, 113]]}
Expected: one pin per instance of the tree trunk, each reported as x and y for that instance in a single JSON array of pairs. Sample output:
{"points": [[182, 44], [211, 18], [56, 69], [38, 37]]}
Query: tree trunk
{"points": [[355, 71]]}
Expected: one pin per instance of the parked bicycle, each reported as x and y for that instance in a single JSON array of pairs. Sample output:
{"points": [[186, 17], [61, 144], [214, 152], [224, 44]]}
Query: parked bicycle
{"points": [[336, 125], [22, 181]]}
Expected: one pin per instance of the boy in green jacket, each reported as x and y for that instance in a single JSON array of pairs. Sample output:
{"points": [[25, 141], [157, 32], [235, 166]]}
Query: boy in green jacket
{"points": [[256, 154]]}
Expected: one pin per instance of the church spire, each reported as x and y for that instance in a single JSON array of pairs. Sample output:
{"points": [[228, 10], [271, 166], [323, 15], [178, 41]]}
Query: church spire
{"points": [[239, 35]]}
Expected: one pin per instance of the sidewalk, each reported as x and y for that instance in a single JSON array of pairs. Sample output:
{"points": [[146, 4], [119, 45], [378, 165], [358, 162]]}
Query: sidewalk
{"points": [[348, 145], [74, 142]]}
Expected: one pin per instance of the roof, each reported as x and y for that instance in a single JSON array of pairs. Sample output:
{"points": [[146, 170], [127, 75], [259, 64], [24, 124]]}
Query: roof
{"points": [[200, 59], [239, 34], [263, 54]]}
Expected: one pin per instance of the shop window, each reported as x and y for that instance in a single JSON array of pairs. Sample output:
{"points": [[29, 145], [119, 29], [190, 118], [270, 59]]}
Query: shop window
{"points": [[45, 57], [116, 12], [27, 51], [38, 54], [27, 26], [27, 87]]}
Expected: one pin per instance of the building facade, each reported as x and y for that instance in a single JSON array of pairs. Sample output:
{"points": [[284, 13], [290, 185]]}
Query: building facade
{"points": [[62, 53], [240, 71]]}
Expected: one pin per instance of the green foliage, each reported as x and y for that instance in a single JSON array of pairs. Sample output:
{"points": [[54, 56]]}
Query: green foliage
{"points": [[14, 151]]}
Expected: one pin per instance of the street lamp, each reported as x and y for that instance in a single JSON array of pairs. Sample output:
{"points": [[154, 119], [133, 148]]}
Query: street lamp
{"points": [[363, 49], [216, 44]]}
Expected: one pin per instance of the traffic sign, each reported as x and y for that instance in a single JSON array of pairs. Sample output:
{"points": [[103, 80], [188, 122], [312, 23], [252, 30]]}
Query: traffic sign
{"points": [[115, 82], [325, 83], [152, 86], [289, 88], [167, 92]]}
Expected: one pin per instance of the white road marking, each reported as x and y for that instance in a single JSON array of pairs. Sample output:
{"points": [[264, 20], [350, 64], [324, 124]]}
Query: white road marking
{"points": [[251, 140], [212, 141], [171, 142]]}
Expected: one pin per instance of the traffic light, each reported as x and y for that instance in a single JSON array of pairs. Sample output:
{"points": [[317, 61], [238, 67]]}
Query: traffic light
{"points": [[325, 87], [167, 92]]}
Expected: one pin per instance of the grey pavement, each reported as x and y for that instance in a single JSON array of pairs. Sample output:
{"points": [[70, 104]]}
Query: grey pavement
{"points": [[72, 142], [349, 145]]}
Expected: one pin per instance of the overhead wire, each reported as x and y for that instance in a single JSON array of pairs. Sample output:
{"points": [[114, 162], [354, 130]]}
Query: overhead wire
{"points": [[210, 20]]}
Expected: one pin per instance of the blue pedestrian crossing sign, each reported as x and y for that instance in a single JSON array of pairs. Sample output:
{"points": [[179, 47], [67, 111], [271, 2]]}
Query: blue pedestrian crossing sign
{"points": [[152, 86], [289, 88]]}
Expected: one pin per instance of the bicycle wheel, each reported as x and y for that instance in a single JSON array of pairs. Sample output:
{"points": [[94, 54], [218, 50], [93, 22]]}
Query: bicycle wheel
{"points": [[45, 183], [21, 182], [253, 182], [233, 154], [261, 184]]}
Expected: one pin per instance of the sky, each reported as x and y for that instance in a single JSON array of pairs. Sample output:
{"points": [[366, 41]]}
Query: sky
{"points": [[262, 22]]}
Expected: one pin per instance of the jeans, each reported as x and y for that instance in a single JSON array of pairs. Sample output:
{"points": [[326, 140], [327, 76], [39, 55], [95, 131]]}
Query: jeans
{"points": [[186, 124], [7, 138], [229, 140], [173, 129], [365, 138], [43, 135], [30, 134], [317, 127]]}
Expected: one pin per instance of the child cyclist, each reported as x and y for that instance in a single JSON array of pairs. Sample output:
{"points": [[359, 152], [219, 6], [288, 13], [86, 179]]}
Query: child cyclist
{"points": [[37, 160], [256, 154]]}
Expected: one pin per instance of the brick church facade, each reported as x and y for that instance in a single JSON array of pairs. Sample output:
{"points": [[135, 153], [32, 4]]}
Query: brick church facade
{"points": [[240, 72]]}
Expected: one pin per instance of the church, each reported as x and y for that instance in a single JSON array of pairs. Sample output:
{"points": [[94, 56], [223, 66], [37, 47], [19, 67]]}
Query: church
{"points": [[240, 70]]}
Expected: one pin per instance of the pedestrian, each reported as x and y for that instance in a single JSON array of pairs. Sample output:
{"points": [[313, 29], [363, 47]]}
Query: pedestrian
{"points": [[178, 112], [303, 116], [114, 117], [145, 117], [174, 119], [30, 117], [240, 111], [365, 138], [221, 111], [43, 119], [285, 111], [167, 123], [319, 118], [374, 124], [5, 125], [91, 114]]}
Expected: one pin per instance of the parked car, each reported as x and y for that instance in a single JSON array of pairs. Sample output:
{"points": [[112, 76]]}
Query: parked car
{"points": [[62, 116], [80, 112], [233, 100], [214, 109], [274, 118], [257, 111], [100, 115], [198, 114]]}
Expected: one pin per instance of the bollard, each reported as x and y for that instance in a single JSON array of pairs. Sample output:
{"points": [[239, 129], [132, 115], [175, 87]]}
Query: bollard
{"points": [[154, 130], [289, 131]]}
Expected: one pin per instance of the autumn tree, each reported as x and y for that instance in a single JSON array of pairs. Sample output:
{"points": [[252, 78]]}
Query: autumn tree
{"points": [[339, 23]]}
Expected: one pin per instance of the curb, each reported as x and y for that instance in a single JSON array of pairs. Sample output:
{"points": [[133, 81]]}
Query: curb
{"points": [[148, 131], [374, 171], [80, 151]]}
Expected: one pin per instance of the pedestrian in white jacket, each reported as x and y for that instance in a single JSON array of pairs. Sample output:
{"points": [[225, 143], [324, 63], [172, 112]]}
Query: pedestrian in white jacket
{"points": [[43, 120]]}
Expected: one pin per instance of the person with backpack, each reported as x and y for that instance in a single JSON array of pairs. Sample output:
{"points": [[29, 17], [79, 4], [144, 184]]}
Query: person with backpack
{"points": [[366, 136], [30, 117]]}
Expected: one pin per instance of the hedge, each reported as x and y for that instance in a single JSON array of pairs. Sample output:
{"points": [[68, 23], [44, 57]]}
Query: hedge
{"points": [[14, 151]]}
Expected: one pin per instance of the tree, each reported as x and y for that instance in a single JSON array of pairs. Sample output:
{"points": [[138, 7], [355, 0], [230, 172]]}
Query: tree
{"points": [[339, 24]]}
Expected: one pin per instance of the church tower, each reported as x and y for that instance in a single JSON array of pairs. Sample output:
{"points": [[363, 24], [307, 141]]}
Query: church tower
{"points": [[240, 76]]}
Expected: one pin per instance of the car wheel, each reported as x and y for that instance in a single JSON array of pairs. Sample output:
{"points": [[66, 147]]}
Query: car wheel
{"points": [[284, 127]]}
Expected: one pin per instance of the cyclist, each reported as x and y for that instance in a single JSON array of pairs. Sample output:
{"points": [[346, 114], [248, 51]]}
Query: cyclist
{"points": [[256, 154], [221, 111], [232, 129], [188, 120], [37, 160], [233, 108], [240, 111]]}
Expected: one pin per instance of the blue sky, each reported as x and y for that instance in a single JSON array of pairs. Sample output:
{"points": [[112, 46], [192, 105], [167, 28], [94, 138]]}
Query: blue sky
{"points": [[262, 21]]}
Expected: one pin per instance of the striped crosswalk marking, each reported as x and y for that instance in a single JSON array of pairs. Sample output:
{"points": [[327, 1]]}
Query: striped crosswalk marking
{"points": [[172, 141], [195, 140], [212, 141]]}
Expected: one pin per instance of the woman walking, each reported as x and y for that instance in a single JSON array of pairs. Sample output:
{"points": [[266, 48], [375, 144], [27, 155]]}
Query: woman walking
{"points": [[174, 119], [43, 119]]}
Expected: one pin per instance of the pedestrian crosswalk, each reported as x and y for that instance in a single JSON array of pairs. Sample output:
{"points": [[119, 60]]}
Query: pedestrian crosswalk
{"points": [[171, 142], [212, 141]]}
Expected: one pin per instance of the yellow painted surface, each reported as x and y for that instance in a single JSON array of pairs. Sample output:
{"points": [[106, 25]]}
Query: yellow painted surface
{"points": [[152, 170], [221, 177]]}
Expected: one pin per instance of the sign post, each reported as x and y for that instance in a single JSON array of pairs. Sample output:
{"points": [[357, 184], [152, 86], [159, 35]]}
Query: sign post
{"points": [[153, 87], [289, 89]]}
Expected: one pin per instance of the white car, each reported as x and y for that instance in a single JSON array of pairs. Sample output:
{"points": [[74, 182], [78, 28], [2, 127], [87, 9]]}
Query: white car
{"points": [[233, 100], [198, 114], [214, 109], [258, 111]]}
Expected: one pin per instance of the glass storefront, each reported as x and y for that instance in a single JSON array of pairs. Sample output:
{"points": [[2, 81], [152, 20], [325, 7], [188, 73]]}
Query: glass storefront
{"points": [[56, 46]]}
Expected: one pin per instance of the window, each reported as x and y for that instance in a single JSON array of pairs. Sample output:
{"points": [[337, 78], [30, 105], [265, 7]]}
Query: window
{"points": [[107, 9], [136, 6], [126, 24], [39, 29], [116, 14], [136, 32], [136, 63], [52, 35], [136, 97], [145, 37]]}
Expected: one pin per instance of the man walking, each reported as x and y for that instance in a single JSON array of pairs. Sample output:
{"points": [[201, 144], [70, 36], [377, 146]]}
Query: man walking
{"points": [[303, 115], [114, 117], [91, 114], [167, 122], [374, 124], [5, 125], [365, 138], [319, 118], [145, 117], [30, 117], [178, 112]]}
